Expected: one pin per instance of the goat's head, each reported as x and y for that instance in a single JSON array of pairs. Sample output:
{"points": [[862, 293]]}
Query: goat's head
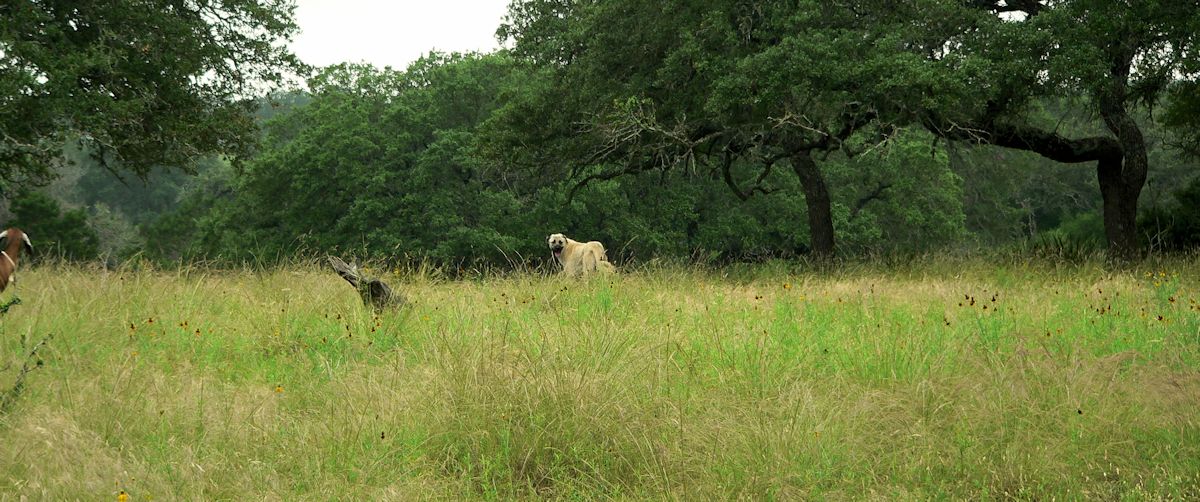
{"points": [[12, 240]]}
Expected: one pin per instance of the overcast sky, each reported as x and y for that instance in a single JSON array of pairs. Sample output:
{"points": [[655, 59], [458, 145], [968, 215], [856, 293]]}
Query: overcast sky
{"points": [[393, 32]]}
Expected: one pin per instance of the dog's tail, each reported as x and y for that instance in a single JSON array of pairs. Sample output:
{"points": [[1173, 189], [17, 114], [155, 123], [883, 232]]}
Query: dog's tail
{"points": [[602, 262]]}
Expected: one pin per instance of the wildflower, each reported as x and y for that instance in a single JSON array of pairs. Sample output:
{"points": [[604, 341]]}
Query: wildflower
{"points": [[278, 389], [122, 497], [787, 285]]}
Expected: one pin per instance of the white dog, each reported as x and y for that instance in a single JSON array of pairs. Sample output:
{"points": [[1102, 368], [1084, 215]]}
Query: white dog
{"points": [[579, 257]]}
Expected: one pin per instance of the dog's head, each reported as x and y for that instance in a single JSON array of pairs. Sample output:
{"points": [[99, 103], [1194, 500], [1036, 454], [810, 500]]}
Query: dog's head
{"points": [[557, 242]]}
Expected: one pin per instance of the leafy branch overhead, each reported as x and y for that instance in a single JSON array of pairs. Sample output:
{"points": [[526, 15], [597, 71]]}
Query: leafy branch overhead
{"points": [[138, 83]]}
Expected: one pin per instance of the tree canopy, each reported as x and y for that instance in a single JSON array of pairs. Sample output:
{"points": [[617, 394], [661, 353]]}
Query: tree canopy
{"points": [[1113, 60], [139, 83], [661, 84], [713, 129]]}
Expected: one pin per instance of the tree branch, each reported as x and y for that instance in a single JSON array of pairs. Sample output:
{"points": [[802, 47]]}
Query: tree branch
{"points": [[1021, 137], [876, 194]]}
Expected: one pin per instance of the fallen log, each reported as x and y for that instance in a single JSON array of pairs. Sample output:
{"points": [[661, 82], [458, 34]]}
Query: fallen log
{"points": [[374, 292]]}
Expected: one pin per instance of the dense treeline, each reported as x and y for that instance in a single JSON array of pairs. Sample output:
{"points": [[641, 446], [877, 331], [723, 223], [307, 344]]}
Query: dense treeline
{"points": [[720, 130]]}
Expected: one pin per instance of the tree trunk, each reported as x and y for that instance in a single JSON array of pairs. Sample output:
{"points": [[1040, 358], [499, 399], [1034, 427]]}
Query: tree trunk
{"points": [[1122, 178], [816, 198], [1121, 167], [1120, 208]]}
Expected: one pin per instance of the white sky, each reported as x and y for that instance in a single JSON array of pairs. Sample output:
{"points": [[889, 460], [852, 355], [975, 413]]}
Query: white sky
{"points": [[393, 32]]}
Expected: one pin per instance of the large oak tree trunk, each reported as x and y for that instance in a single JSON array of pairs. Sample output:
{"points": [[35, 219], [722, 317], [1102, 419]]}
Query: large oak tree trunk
{"points": [[1120, 206], [1121, 179], [816, 198]]}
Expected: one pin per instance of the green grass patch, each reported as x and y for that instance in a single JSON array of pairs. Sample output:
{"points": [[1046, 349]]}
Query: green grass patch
{"points": [[949, 379]]}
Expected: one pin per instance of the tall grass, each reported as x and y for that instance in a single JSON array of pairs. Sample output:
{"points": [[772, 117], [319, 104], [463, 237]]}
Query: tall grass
{"points": [[934, 378]]}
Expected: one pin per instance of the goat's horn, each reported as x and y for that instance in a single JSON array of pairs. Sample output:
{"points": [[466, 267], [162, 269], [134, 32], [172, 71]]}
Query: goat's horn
{"points": [[25, 237], [3, 234]]}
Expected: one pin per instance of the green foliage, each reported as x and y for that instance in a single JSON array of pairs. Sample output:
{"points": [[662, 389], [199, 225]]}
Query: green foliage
{"points": [[142, 84], [899, 197], [713, 86], [404, 165], [378, 160], [685, 142], [54, 232], [1085, 228], [1182, 114], [140, 200], [1175, 226]]}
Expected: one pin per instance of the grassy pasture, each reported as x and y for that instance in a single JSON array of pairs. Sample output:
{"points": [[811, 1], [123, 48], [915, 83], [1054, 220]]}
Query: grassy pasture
{"points": [[953, 379]]}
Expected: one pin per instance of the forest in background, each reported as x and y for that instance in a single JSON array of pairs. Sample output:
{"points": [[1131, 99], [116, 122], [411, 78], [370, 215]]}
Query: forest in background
{"points": [[697, 135]]}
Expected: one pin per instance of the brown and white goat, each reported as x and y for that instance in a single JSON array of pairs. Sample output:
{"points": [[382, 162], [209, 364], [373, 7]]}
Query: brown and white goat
{"points": [[11, 241]]}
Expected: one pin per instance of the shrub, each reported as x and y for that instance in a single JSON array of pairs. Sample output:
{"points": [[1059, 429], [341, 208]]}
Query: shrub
{"points": [[57, 233]]}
